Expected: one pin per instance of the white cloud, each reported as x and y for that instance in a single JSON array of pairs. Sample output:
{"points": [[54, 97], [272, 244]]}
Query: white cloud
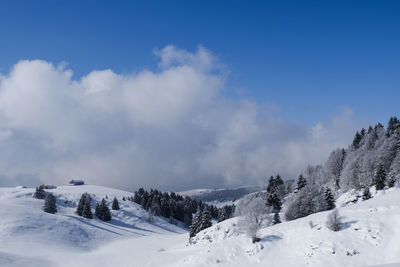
{"points": [[170, 129]]}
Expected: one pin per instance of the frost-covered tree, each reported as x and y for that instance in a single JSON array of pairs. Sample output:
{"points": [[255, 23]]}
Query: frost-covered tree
{"points": [[50, 205], [225, 212], [277, 218], [391, 181], [274, 201], [39, 193], [366, 194], [380, 178], [334, 221], [254, 214], [301, 182], [205, 219], [308, 200], [356, 140], [115, 204], [334, 166], [81, 203], [102, 211], [330, 201], [87, 211], [195, 226]]}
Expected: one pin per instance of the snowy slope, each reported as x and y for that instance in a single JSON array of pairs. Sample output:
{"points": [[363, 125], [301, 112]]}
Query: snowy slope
{"points": [[370, 236], [29, 234]]}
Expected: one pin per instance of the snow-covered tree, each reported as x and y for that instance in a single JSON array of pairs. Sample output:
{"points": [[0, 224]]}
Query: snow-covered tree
{"points": [[81, 203], [301, 182], [115, 204], [356, 140], [330, 201], [366, 194], [380, 178], [50, 205], [195, 226], [308, 200], [102, 211], [39, 193], [254, 214], [87, 211], [277, 218], [274, 201], [334, 166]]}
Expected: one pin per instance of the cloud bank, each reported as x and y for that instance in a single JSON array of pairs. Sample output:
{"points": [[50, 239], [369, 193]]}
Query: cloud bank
{"points": [[169, 128]]}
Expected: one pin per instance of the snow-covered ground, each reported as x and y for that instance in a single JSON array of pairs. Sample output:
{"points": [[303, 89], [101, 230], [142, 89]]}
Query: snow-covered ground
{"points": [[370, 235]]}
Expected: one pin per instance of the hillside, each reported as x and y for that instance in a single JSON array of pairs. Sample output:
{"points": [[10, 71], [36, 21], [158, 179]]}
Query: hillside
{"points": [[30, 235], [370, 235]]}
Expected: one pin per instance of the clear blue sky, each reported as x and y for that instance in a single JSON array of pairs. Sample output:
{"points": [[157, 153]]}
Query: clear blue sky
{"points": [[308, 57]]}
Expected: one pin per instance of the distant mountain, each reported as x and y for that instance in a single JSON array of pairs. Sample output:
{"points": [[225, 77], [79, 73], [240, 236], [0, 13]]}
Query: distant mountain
{"points": [[216, 196]]}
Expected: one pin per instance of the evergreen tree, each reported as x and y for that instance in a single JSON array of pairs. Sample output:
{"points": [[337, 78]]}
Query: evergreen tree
{"points": [[366, 194], [102, 211], [39, 193], [330, 201], [87, 211], [380, 178], [274, 202], [81, 203], [205, 220], [271, 184], [50, 205], [357, 140], [124, 199], [301, 182], [393, 124], [115, 204], [391, 181], [277, 218], [195, 223]]}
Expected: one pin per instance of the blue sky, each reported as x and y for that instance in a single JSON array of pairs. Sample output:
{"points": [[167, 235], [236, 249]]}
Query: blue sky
{"points": [[144, 101], [310, 58]]}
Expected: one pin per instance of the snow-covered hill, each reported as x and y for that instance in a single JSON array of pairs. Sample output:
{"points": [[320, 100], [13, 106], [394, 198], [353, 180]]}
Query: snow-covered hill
{"points": [[370, 235], [28, 234]]}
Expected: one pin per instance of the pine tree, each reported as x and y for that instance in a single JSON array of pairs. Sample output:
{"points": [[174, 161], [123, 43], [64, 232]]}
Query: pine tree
{"points": [[124, 199], [357, 140], [81, 203], [274, 202], [330, 201], [39, 193], [391, 182], [196, 221], [380, 178], [301, 182], [277, 218], [102, 211], [366, 194], [205, 220], [115, 204], [87, 211], [271, 184], [50, 205]]}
